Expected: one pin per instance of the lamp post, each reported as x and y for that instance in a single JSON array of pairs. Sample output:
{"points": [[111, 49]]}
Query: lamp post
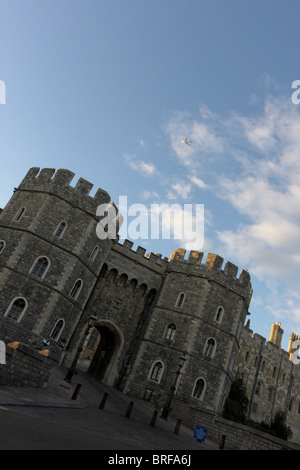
{"points": [[72, 370], [167, 408]]}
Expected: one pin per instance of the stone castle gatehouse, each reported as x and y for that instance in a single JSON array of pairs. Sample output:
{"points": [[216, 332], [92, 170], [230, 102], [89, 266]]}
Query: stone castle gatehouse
{"points": [[134, 314]]}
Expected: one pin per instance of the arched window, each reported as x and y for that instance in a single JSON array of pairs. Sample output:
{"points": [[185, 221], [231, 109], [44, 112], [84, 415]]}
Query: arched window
{"points": [[232, 361], [57, 330], [269, 393], [170, 333], [156, 371], [133, 283], [40, 267], [199, 389], [94, 253], [210, 347], [60, 229], [2, 245], [75, 291], [122, 279], [16, 309], [180, 300], [219, 314], [112, 274], [19, 214]]}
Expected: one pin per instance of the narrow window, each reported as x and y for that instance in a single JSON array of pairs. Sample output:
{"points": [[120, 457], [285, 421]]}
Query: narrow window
{"points": [[57, 330], [2, 245], [199, 389], [19, 214], [16, 309], [40, 267], [269, 393], [75, 291], [156, 372], [60, 229], [180, 300], [210, 347], [94, 253], [170, 333], [219, 314]]}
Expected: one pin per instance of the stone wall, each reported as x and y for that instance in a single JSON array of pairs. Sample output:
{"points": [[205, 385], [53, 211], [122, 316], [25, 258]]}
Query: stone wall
{"points": [[238, 436], [26, 367]]}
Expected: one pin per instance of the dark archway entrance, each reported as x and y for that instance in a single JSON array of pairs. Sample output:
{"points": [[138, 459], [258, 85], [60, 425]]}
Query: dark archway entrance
{"points": [[103, 353]]}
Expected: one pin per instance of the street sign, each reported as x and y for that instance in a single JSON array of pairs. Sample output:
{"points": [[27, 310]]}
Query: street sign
{"points": [[200, 433]]}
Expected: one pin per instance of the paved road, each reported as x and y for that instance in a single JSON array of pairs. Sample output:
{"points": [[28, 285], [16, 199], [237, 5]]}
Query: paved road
{"points": [[22, 432], [80, 424]]}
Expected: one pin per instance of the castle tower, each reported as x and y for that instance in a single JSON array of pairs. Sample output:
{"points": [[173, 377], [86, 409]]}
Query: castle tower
{"points": [[276, 334], [292, 338], [201, 310], [50, 258]]}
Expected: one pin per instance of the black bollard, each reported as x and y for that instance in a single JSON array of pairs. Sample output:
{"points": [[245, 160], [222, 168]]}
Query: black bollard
{"points": [[177, 426], [153, 419], [103, 401], [129, 409], [76, 391], [222, 442]]}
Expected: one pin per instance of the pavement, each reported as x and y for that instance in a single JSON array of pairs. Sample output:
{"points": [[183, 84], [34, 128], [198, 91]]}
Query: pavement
{"points": [[81, 411]]}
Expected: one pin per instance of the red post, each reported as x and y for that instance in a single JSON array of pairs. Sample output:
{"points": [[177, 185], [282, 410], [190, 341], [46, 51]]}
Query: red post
{"points": [[222, 442], [103, 401], [177, 426], [153, 419], [76, 391], [129, 409]]}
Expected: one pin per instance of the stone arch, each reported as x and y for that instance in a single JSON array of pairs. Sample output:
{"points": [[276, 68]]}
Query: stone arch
{"points": [[104, 364]]}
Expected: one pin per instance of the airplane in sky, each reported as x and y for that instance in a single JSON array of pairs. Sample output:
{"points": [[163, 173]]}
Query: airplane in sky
{"points": [[187, 142]]}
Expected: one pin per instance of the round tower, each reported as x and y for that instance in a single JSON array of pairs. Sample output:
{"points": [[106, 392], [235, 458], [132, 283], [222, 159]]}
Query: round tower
{"points": [[50, 257], [201, 309]]}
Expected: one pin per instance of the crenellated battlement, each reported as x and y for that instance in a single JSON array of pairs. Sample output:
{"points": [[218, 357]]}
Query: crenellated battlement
{"points": [[211, 268], [58, 182], [151, 259]]}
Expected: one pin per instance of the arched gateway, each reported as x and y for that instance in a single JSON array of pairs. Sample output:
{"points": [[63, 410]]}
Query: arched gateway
{"points": [[103, 347]]}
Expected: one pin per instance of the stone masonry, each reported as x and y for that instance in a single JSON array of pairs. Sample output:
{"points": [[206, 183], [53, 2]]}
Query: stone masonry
{"points": [[60, 282]]}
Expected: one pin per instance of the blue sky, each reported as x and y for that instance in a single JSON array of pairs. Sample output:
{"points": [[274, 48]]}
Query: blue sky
{"points": [[108, 89]]}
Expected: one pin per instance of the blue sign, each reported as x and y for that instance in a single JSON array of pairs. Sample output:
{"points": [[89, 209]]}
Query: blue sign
{"points": [[200, 433]]}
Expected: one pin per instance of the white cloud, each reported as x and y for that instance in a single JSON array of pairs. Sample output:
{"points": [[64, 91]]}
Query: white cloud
{"points": [[198, 182], [146, 168], [180, 126], [182, 189], [251, 163]]}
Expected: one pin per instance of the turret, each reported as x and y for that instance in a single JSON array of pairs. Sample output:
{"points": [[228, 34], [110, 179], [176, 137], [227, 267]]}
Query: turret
{"points": [[276, 334]]}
